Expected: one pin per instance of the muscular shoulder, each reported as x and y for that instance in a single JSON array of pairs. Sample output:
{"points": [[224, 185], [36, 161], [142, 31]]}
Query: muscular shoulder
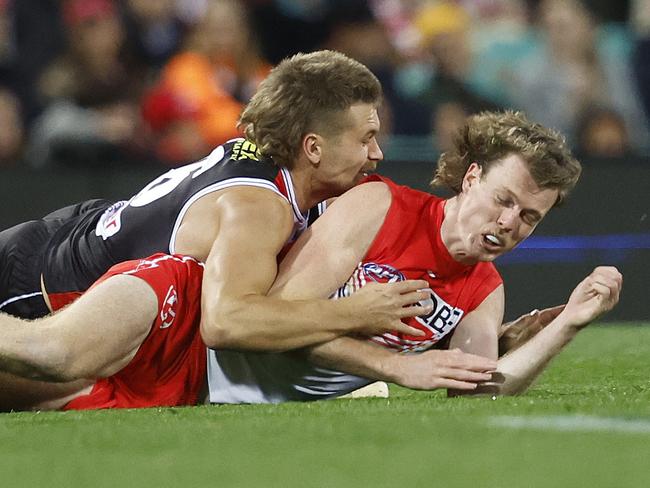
{"points": [[240, 209], [247, 202]]}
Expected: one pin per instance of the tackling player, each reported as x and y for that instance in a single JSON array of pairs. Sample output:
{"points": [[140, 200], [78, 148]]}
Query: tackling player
{"points": [[314, 124]]}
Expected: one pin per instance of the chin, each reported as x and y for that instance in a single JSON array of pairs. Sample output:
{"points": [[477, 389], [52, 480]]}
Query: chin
{"points": [[485, 256], [488, 258]]}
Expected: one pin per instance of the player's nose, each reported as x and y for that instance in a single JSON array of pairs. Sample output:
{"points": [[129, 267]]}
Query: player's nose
{"points": [[508, 218], [374, 151]]}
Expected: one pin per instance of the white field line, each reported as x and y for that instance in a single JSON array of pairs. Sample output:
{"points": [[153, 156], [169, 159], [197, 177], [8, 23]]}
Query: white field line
{"points": [[573, 423]]}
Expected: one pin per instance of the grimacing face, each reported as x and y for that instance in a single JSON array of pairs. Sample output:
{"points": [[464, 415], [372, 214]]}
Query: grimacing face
{"points": [[499, 208], [349, 156]]}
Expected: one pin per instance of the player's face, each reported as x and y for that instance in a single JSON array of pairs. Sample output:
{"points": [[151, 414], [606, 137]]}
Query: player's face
{"points": [[499, 208], [353, 153]]}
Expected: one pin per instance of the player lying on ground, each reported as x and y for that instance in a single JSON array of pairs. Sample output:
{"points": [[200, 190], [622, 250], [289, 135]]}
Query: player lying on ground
{"points": [[133, 340], [314, 120], [399, 232], [507, 174]]}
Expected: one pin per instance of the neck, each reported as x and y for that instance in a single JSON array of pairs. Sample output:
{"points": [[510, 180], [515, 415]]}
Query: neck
{"points": [[308, 189], [306, 195], [451, 233]]}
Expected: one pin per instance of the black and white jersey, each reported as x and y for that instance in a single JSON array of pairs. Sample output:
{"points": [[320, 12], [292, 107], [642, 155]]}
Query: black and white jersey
{"points": [[85, 247]]}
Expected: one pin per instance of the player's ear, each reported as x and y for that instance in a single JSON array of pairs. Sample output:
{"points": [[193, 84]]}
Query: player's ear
{"points": [[472, 175], [312, 146]]}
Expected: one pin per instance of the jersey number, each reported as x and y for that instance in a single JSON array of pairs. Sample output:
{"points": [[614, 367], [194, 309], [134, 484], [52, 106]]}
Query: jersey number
{"points": [[166, 183]]}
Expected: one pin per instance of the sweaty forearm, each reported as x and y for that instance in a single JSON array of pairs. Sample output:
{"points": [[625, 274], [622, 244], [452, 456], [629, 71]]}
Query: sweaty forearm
{"points": [[268, 324], [355, 356]]}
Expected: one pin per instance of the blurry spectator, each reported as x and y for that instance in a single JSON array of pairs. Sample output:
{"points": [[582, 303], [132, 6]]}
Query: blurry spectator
{"points": [[154, 32], [11, 135], [286, 27], [197, 102], [32, 36], [641, 22], [441, 77], [7, 43], [92, 114], [356, 32], [448, 118], [575, 68], [500, 38], [396, 16], [601, 133]]}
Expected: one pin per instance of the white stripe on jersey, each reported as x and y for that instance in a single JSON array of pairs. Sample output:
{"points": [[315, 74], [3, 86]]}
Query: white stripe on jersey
{"points": [[20, 297], [257, 182], [299, 218]]}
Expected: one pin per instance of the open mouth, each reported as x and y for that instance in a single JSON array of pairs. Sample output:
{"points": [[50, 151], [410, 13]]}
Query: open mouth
{"points": [[492, 242]]}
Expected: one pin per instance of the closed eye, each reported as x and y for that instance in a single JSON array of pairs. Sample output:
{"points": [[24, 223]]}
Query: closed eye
{"points": [[506, 202], [531, 218]]}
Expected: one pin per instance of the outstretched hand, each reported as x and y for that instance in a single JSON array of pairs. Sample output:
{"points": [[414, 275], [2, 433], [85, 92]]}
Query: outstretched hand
{"points": [[516, 333], [381, 306], [433, 369], [596, 294]]}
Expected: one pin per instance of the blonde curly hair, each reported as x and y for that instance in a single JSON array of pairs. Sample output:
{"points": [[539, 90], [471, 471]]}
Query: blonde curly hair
{"points": [[490, 136]]}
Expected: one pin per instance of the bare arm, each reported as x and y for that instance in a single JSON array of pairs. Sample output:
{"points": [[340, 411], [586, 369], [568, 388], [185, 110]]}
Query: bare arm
{"points": [[517, 332], [333, 248], [424, 371], [237, 312], [595, 295], [94, 337]]}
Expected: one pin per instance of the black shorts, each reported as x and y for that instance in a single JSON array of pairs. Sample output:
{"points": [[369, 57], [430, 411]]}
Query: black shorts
{"points": [[22, 250]]}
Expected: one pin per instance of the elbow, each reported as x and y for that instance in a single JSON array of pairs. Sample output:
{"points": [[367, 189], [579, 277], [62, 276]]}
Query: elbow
{"points": [[218, 327], [216, 337]]}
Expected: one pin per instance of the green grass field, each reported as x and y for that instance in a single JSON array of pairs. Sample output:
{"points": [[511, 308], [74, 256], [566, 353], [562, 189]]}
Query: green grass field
{"points": [[586, 422]]}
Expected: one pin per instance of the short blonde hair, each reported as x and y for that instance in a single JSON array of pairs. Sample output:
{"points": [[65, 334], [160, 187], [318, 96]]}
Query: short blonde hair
{"points": [[305, 93], [491, 136]]}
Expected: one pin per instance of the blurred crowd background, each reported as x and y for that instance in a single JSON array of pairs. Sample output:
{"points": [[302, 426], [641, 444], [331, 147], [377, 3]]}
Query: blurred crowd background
{"points": [[97, 83]]}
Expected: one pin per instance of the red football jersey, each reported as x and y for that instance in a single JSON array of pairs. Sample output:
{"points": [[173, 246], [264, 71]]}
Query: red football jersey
{"points": [[169, 368], [409, 246]]}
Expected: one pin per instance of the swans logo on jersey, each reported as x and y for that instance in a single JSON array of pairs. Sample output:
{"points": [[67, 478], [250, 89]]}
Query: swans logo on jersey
{"points": [[379, 273], [442, 319], [168, 312], [110, 222]]}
